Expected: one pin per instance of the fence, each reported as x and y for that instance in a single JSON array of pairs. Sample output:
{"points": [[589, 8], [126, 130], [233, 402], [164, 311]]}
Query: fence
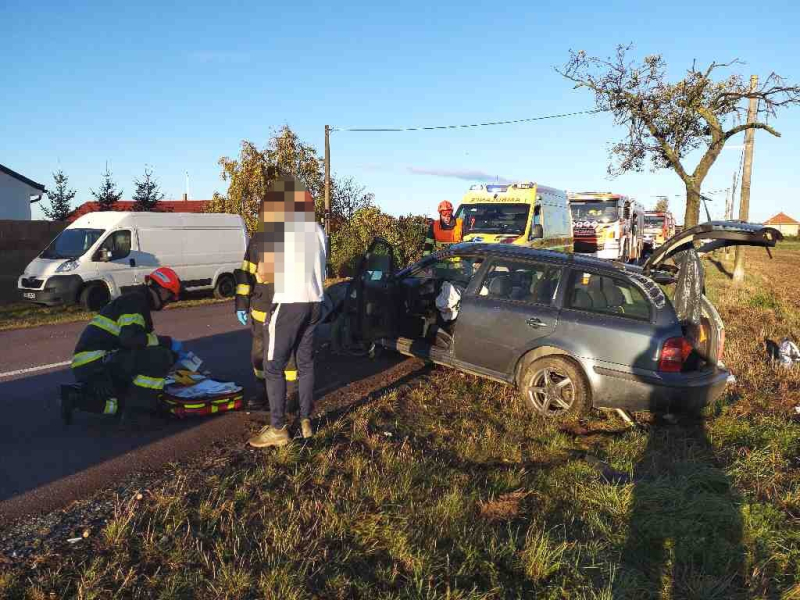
{"points": [[20, 242]]}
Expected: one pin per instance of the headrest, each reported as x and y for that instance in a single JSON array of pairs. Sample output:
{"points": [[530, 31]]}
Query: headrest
{"points": [[500, 286]]}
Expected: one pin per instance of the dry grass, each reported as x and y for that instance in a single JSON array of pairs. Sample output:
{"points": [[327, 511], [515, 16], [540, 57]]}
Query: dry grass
{"points": [[450, 488]]}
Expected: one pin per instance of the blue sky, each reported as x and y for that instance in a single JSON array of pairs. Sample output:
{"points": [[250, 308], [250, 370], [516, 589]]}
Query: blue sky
{"points": [[177, 87]]}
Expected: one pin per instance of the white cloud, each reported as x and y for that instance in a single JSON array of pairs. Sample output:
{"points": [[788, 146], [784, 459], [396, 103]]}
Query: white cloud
{"points": [[474, 175]]}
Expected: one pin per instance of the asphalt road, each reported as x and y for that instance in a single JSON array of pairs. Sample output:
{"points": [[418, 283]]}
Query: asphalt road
{"points": [[44, 466]]}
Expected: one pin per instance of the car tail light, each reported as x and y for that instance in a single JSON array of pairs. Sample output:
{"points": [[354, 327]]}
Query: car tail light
{"points": [[721, 344], [510, 240], [673, 354]]}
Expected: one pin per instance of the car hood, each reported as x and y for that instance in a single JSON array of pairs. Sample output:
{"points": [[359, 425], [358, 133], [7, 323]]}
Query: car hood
{"points": [[714, 235]]}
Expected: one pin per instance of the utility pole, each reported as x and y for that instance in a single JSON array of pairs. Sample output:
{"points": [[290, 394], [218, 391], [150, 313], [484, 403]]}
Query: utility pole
{"points": [[744, 206], [328, 181]]}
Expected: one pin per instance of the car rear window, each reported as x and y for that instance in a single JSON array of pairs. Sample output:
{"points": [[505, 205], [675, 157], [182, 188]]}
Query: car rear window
{"points": [[606, 295]]}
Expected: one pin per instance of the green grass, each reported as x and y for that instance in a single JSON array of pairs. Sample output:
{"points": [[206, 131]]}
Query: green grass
{"points": [[449, 488]]}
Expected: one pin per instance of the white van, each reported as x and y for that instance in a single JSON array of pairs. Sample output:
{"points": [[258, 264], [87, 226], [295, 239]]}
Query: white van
{"points": [[104, 254]]}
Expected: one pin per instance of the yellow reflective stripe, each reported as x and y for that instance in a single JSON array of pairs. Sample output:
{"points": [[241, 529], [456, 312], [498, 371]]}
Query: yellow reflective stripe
{"points": [[249, 267], [259, 373], [111, 407], [131, 319], [105, 324], [152, 339], [83, 358], [243, 289], [290, 375], [258, 315], [152, 383]]}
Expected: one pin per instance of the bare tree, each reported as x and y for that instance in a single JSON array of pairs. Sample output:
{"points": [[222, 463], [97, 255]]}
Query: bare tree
{"points": [[665, 121]]}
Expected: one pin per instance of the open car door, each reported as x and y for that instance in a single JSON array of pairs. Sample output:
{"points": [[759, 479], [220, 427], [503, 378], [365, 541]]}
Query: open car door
{"points": [[711, 236], [369, 311]]}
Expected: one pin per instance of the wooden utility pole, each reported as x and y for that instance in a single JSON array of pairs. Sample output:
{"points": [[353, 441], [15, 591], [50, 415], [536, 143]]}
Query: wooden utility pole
{"points": [[744, 206], [328, 180]]}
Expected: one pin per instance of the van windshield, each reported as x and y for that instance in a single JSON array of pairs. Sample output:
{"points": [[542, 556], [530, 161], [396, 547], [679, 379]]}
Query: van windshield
{"points": [[494, 218], [604, 212], [72, 243]]}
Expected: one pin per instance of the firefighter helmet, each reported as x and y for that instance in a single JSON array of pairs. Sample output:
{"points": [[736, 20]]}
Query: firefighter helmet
{"points": [[166, 278], [445, 205]]}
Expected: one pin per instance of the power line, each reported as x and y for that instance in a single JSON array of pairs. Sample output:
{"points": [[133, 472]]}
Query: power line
{"points": [[487, 124]]}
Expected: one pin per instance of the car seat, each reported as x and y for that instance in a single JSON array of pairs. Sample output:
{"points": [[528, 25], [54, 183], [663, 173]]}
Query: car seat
{"points": [[521, 285], [596, 293], [614, 297], [581, 299], [543, 290], [500, 287]]}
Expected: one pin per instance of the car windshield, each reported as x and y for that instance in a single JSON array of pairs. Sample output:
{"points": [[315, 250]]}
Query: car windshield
{"points": [[653, 221], [72, 243], [605, 212], [494, 218]]}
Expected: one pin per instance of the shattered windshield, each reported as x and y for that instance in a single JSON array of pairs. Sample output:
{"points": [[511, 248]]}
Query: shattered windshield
{"points": [[72, 243], [494, 217], [604, 212]]}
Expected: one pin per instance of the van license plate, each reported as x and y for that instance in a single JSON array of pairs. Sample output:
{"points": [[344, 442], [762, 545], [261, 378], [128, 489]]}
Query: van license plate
{"points": [[29, 295]]}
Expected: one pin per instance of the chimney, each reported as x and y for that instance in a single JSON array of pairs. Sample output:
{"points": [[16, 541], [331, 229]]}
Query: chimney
{"points": [[185, 197]]}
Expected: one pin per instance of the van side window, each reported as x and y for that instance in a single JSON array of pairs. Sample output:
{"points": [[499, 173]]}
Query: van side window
{"points": [[521, 281], [118, 244], [608, 295]]}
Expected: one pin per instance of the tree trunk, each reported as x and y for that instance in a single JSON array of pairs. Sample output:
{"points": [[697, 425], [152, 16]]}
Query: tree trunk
{"points": [[692, 215]]}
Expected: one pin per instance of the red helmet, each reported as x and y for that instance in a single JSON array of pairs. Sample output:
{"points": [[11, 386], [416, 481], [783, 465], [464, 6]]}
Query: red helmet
{"points": [[445, 205], [166, 278]]}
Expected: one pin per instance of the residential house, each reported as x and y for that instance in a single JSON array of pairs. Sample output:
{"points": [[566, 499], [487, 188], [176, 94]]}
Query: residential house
{"points": [[175, 206], [784, 223], [17, 193]]}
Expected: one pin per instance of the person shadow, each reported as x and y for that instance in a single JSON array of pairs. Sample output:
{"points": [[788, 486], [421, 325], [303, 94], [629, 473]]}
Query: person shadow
{"points": [[685, 531]]}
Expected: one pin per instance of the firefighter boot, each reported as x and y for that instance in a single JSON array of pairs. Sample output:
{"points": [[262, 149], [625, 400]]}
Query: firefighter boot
{"points": [[68, 395]]}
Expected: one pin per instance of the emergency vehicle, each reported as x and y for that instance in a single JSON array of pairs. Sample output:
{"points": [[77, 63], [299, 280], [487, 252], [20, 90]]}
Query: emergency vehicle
{"points": [[658, 228], [607, 225], [524, 214]]}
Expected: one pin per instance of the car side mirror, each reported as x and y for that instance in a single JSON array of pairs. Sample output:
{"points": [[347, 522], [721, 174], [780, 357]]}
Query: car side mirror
{"points": [[537, 232]]}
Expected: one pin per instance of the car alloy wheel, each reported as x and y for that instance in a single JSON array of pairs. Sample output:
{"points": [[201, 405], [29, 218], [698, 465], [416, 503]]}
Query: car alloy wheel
{"points": [[555, 387], [552, 392]]}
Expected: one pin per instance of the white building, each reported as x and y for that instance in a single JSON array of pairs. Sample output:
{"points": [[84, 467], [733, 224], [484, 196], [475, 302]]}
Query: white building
{"points": [[17, 193]]}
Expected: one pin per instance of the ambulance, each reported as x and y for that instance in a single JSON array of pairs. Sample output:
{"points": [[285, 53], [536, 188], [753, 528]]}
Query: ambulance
{"points": [[524, 214], [607, 225]]}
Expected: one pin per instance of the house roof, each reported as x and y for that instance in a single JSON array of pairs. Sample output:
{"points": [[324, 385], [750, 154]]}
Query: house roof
{"points": [[23, 179], [781, 219], [178, 206]]}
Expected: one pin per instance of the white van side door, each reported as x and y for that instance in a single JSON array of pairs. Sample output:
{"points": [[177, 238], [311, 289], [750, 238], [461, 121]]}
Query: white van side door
{"points": [[113, 261]]}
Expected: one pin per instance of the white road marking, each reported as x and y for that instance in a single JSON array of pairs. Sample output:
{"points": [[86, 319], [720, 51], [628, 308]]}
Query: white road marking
{"points": [[34, 369]]}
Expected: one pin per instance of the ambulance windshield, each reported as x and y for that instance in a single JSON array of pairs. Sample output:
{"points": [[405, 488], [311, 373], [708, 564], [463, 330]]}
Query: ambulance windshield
{"points": [[72, 243], [494, 217], [604, 212]]}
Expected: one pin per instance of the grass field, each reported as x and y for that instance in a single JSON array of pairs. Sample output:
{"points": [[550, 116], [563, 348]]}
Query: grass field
{"points": [[448, 487]]}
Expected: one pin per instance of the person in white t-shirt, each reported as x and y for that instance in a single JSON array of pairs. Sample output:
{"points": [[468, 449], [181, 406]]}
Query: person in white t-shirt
{"points": [[294, 258]]}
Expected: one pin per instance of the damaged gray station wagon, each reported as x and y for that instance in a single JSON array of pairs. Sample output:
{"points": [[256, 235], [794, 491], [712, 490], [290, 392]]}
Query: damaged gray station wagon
{"points": [[570, 332]]}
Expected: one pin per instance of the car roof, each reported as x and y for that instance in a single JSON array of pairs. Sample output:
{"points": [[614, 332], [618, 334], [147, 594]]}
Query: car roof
{"points": [[523, 252]]}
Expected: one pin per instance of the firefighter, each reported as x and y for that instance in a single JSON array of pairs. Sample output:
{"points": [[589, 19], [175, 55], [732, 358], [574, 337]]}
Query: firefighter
{"points": [[444, 231], [253, 304], [119, 362]]}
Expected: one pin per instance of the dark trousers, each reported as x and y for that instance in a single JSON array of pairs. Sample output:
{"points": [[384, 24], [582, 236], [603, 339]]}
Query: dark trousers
{"points": [[259, 331], [290, 330], [136, 376]]}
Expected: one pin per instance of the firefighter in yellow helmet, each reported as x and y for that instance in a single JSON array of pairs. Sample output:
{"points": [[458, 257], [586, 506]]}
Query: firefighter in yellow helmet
{"points": [[444, 231]]}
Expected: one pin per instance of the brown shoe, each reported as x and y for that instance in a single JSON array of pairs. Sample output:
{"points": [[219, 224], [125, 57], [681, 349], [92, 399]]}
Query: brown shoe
{"points": [[305, 427], [269, 436]]}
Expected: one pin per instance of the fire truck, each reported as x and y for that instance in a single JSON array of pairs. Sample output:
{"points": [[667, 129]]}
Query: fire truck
{"points": [[607, 225], [658, 228]]}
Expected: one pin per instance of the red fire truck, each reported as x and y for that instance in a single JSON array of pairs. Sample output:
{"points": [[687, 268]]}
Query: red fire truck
{"points": [[658, 228], [607, 225]]}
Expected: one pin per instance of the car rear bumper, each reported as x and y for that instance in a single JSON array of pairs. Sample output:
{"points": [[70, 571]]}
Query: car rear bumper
{"points": [[657, 391], [58, 289]]}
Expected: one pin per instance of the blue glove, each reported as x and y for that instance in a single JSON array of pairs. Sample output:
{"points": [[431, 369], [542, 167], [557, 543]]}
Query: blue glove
{"points": [[242, 316], [176, 346]]}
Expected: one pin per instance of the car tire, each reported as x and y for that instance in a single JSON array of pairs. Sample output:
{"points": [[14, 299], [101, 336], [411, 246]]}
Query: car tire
{"points": [[225, 288], [94, 297], [555, 387]]}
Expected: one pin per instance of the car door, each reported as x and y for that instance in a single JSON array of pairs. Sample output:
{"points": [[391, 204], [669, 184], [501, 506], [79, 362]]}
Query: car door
{"points": [[368, 306], [506, 313], [115, 263]]}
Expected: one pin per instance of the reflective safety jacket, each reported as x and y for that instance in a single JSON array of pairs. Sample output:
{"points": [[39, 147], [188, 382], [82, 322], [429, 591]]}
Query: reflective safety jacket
{"points": [[252, 294], [124, 323], [440, 236]]}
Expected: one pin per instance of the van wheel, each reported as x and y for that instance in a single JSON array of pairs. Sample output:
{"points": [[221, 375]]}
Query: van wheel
{"points": [[555, 387], [225, 287], [95, 297]]}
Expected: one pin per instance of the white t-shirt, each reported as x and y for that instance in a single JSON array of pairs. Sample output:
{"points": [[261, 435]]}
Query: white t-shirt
{"points": [[300, 268]]}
